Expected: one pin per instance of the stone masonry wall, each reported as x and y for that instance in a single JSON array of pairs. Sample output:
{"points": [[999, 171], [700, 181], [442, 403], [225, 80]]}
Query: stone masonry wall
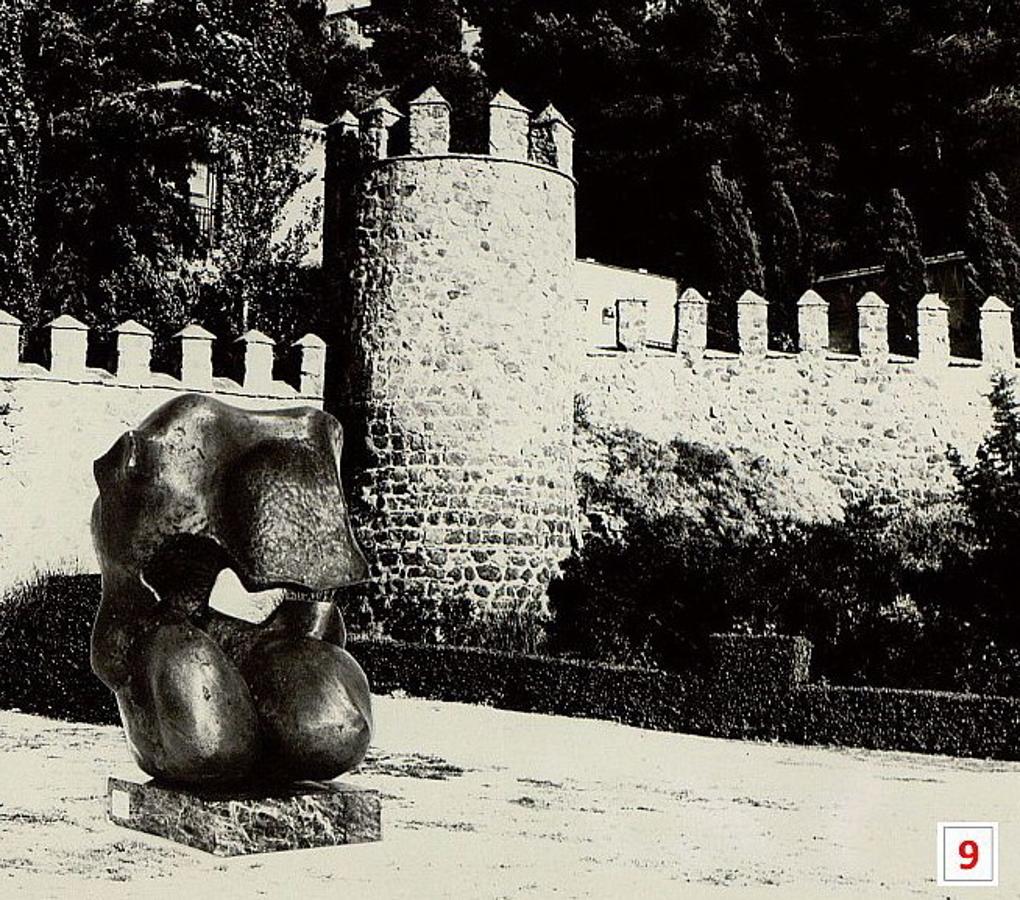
{"points": [[839, 430], [841, 427], [460, 371], [55, 420]]}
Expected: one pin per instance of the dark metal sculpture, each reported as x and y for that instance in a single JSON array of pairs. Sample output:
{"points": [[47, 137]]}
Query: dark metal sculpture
{"points": [[205, 698]]}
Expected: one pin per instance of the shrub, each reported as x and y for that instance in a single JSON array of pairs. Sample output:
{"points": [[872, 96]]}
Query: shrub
{"points": [[45, 625], [690, 541], [648, 597], [990, 491], [653, 594]]}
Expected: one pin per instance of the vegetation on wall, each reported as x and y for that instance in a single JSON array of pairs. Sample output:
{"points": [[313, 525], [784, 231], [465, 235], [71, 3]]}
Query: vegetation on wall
{"points": [[896, 595]]}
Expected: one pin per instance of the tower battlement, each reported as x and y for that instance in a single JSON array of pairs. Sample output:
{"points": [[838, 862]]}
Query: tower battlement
{"points": [[516, 134], [454, 299]]}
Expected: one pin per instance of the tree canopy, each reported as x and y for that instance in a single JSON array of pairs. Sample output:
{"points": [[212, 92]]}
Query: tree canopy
{"points": [[18, 162], [131, 95], [835, 105], [739, 142]]}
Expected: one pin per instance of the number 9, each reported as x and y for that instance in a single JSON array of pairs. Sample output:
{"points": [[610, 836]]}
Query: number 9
{"points": [[969, 852]]}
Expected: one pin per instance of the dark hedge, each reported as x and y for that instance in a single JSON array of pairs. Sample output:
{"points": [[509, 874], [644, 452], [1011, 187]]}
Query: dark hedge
{"points": [[44, 644], [774, 662], [751, 687], [754, 708]]}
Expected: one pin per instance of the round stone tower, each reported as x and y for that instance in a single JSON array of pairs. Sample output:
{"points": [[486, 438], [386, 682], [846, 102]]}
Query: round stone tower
{"points": [[458, 377]]}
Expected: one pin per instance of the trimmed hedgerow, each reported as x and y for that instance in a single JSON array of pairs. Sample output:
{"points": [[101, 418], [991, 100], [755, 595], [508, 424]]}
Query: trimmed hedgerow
{"points": [[749, 688], [918, 721], [752, 708], [775, 662], [640, 697]]}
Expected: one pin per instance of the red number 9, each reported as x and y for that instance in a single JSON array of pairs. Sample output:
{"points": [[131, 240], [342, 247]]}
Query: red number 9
{"points": [[969, 852]]}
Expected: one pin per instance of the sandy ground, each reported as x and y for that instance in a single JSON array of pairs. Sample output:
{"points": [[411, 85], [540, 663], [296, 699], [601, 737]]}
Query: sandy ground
{"points": [[482, 803]]}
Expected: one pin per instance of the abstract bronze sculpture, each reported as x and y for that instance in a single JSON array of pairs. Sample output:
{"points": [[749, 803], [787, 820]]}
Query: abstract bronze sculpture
{"points": [[207, 699]]}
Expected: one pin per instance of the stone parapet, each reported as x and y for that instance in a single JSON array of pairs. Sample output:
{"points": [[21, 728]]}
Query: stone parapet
{"points": [[998, 349], [68, 351], [753, 323], [631, 325]]}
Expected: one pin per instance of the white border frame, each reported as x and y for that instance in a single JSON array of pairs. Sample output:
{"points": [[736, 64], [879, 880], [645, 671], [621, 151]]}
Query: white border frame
{"points": [[940, 832]]}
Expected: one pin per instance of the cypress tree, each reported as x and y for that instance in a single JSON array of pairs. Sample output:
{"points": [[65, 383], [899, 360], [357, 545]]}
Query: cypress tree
{"points": [[734, 255], [991, 250], [786, 276], [904, 282]]}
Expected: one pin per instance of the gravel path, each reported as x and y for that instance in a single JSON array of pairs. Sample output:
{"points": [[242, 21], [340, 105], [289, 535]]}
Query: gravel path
{"points": [[482, 803]]}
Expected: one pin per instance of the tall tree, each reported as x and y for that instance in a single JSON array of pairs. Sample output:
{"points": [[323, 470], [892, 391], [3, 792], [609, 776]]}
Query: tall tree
{"points": [[991, 250], [904, 280], [786, 270], [133, 95], [18, 163], [733, 243], [418, 44]]}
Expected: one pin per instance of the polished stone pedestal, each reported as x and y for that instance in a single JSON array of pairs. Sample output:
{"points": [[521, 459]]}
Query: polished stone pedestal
{"points": [[307, 814]]}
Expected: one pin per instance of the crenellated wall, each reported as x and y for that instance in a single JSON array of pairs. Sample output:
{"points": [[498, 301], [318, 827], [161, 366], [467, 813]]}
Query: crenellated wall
{"points": [[56, 419], [469, 343], [461, 363], [842, 426], [462, 350]]}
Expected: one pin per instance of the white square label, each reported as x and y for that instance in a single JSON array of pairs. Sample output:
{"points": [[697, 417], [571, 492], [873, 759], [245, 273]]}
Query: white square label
{"points": [[968, 854], [120, 804]]}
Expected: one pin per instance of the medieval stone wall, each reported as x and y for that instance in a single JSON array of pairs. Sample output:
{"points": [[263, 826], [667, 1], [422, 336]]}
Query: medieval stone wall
{"points": [[838, 430], [56, 419], [464, 351], [468, 346], [460, 370], [841, 426]]}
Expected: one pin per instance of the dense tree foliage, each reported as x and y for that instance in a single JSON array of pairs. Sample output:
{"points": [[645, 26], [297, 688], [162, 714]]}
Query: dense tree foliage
{"points": [[841, 102], [991, 247], [904, 273], [990, 490], [732, 250], [18, 162], [787, 272], [804, 136], [132, 95]]}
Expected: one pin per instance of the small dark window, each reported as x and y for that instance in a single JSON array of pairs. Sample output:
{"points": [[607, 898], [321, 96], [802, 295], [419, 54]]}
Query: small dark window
{"points": [[204, 191]]}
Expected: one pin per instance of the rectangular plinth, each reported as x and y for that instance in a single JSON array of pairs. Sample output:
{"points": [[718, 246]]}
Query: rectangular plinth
{"points": [[307, 814]]}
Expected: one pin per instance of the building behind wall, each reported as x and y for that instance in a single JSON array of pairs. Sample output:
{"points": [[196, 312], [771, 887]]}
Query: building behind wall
{"points": [[946, 277]]}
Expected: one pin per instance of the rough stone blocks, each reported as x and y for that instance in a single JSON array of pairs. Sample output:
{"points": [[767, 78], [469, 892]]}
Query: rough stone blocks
{"points": [[461, 376], [309, 814]]}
